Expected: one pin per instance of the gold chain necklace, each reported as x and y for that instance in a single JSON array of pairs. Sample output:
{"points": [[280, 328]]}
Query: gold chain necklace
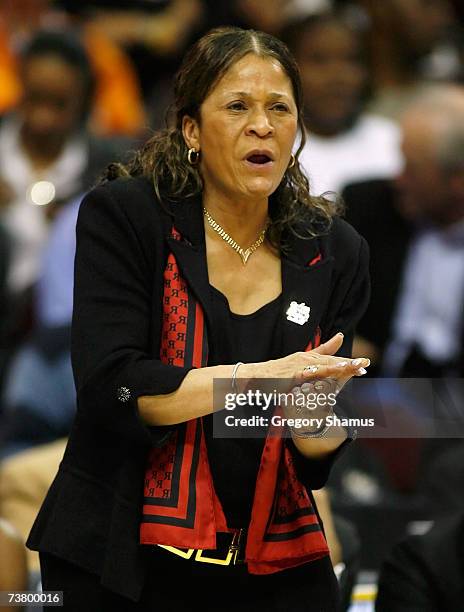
{"points": [[244, 253]]}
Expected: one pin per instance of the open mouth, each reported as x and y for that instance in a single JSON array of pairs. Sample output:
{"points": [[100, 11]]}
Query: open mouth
{"points": [[259, 159]]}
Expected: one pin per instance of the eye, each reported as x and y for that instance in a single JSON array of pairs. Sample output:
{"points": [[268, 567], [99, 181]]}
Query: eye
{"points": [[238, 105], [280, 107]]}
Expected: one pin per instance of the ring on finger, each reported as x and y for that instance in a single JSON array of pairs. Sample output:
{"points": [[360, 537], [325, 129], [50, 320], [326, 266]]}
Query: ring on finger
{"points": [[311, 368]]}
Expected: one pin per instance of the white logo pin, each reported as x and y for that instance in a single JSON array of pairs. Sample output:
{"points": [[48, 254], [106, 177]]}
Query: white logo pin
{"points": [[298, 313]]}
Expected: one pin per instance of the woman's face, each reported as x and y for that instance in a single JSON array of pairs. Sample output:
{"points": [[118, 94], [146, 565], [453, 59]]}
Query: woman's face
{"points": [[246, 131]]}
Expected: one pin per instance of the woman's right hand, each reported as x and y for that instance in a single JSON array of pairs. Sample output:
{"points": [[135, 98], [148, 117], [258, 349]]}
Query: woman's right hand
{"points": [[195, 396]]}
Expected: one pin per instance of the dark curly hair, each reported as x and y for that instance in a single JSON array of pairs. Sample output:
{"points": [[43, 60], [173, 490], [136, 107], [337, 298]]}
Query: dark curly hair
{"points": [[163, 157]]}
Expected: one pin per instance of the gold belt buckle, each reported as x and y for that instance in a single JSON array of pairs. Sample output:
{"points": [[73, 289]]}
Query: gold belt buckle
{"points": [[185, 554], [231, 557], [232, 553]]}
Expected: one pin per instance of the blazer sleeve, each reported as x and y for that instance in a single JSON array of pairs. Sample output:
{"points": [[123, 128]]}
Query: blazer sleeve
{"points": [[112, 319], [349, 301]]}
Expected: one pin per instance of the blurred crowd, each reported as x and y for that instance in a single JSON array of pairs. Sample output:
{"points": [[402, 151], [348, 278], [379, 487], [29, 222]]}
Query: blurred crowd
{"points": [[83, 82]]}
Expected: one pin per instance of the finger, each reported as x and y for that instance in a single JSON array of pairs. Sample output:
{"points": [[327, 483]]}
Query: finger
{"points": [[320, 371], [331, 346], [340, 376], [356, 366], [319, 384], [315, 359], [333, 369]]}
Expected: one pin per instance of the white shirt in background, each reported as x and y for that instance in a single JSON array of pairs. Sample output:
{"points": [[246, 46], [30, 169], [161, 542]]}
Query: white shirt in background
{"points": [[431, 301], [370, 149], [27, 222]]}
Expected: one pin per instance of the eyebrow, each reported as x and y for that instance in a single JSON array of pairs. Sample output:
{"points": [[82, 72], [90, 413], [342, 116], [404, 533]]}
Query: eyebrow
{"points": [[244, 94]]}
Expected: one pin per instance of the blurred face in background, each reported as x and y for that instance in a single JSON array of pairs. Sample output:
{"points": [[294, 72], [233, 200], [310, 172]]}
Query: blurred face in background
{"points": [[426, 190], [51, 107], [333, 76]]}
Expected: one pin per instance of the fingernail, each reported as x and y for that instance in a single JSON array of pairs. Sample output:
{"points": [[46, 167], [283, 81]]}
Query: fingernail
{"points": [[361, 372], [341, 334], [362, 360], [341, 364]]}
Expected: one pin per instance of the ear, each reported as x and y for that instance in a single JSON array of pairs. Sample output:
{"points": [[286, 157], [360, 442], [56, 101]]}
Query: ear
{"points": [[191, 132]]}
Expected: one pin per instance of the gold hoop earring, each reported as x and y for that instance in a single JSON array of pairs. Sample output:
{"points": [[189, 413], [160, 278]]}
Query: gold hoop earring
{"points": [[193, 156], [292, 161]]}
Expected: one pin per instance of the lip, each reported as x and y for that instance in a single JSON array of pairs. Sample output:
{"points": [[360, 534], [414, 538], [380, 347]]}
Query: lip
{"points": [[260, 167], [267, 167], [266, 152]]}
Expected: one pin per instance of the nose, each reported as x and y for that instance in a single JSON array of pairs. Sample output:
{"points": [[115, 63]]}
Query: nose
{"points": [[259, 124]]}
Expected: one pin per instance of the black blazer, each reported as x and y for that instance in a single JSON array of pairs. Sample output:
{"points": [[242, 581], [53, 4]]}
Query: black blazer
{"points": [[92, 511]]}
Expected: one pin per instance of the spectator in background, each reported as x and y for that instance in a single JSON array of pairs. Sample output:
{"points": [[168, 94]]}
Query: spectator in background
{"points": [[411, 42], [46, 154], [415, 229], [39, 395], [345, 144], [153, 34], [414, 324], [164, 30], [117, 108], [46, 157]]}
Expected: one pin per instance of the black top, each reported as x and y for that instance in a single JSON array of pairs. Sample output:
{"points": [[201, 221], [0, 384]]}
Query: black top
{"points": [[234, 462]]}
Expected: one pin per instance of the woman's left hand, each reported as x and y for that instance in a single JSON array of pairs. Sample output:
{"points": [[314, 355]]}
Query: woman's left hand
{"points": [[313, 399], [316, 398]]}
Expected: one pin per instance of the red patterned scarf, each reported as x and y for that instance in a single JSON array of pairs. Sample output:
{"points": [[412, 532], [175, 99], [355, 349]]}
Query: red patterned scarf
{"points": [[180, 506]]}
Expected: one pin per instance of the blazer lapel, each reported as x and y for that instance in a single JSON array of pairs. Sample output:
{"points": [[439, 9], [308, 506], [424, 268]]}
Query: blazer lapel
{"points": [[306, 279], [190, 251]]}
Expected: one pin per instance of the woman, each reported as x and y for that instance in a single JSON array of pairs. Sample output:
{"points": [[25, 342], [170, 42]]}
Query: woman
{"points": [[166, 302]]}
